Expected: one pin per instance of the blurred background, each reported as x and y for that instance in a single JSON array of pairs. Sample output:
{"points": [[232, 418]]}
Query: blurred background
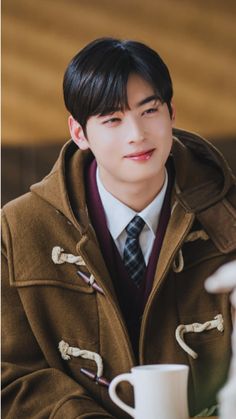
{"points": [[196, 39]]}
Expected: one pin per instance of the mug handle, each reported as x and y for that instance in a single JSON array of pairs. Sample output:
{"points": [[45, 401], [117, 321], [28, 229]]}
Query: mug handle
{"points": [[113, 395]]}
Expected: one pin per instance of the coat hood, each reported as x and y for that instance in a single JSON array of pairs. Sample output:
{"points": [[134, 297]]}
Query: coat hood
{"points": [[202, 177]]}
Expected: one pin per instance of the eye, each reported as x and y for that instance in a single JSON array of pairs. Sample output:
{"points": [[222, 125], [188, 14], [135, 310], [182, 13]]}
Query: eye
{"points": [[150, 111], [112, 121]]}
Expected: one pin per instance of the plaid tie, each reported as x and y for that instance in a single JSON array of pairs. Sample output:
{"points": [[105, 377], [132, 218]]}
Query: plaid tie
{"points": [[133, 257]]}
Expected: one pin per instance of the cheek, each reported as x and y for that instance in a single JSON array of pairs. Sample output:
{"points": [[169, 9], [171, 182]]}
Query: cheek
{"points": [[165, 141], [159, 126], [108, 142], [104, 150]]}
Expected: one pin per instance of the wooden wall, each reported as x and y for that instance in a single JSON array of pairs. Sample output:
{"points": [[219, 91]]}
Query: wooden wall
{"points": [[196, 38]]}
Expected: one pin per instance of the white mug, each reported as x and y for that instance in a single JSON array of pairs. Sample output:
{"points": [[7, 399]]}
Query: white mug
{"points": [[160, 391]]}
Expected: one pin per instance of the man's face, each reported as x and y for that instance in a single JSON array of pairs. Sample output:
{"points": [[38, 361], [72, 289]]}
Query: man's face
{"points": [[131, 147]]}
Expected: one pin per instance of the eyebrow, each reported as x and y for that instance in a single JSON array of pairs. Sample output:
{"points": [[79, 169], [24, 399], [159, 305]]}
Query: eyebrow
{"points": [[147, 99], [141, 103]]}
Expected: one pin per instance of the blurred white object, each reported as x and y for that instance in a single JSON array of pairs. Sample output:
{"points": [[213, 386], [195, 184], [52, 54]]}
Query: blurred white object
{"points": [[224, 280]]}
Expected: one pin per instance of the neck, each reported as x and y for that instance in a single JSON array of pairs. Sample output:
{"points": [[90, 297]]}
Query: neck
{"points": [[136, 196]]}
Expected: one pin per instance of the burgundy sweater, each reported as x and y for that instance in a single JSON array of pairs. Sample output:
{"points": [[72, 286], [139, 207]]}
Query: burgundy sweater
{"points": [[132, 300]]}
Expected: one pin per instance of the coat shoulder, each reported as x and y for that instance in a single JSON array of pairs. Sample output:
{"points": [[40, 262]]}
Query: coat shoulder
{"points": [[219, 220], [31, 229], [26, 215], [16, 214], [24, 205]]}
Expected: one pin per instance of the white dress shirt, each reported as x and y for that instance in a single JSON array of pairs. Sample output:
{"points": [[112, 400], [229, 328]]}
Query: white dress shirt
{"points": [[118, 216]]}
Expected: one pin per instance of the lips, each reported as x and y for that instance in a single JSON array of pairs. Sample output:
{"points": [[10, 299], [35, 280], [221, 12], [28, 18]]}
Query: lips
{"points": [[141, 155]]}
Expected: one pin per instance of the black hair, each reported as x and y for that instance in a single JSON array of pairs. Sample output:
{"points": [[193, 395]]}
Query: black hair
{"points": [[96, 78]]}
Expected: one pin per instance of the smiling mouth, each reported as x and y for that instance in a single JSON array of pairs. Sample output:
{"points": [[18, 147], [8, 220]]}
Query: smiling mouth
{"points": [[140, 156]]}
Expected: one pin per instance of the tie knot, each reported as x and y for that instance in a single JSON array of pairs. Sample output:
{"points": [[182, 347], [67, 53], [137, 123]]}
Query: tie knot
{"points": [[135, 227]]}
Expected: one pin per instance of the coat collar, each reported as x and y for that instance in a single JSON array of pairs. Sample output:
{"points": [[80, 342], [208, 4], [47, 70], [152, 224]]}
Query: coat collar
{"points": [[202, 178], [63, 188]]}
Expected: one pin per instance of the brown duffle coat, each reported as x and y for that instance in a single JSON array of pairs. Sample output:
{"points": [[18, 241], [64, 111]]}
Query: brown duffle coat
{"points": [[46, 303]]}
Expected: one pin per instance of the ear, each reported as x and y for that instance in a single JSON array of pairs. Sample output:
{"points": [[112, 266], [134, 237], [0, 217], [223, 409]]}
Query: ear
{"points": [[77, 133], [173, 112]]}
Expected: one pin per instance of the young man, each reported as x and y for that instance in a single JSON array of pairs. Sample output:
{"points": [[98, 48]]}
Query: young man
{"points": [[104, 261]]}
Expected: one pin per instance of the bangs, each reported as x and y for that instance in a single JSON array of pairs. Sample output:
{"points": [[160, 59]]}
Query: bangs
{"points": [[109, 94]]}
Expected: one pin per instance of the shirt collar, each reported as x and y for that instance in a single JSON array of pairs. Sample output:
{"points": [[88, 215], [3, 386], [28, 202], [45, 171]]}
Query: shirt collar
{"points": [[152, 212], [118, 215]]}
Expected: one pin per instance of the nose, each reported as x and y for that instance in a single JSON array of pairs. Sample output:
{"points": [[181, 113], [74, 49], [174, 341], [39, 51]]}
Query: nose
{"points": [[134, 131]]}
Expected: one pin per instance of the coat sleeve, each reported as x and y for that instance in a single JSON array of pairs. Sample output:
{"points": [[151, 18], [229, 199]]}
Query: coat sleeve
{"points": [[30, 388]]}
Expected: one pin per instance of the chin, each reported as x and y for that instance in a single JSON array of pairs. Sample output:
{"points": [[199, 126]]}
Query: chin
{"points": [[144, 177]]}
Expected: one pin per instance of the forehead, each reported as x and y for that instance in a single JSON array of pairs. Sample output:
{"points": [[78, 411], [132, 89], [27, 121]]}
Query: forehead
{"points": [[137, 90]]}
